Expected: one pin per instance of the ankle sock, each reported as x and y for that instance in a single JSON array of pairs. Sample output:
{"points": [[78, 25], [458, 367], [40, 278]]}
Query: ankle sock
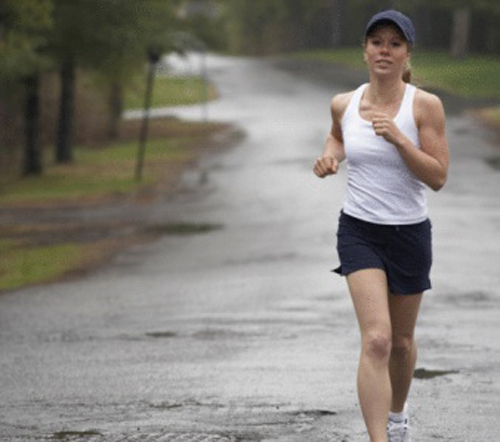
{"points": [[399, 417]]}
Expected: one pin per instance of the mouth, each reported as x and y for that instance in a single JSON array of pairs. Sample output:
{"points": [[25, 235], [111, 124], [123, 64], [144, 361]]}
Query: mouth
{"points": [[383, 62]]}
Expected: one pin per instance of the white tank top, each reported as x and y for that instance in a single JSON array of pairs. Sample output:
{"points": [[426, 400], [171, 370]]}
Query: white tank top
{"points": [[380, 187]]}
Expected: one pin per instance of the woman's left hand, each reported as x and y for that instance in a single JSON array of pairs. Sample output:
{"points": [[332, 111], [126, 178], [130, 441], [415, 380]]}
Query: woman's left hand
{"points": [[384, 126]]}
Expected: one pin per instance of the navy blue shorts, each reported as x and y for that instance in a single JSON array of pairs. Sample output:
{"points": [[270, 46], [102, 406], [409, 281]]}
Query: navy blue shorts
{"points": [[404, 252]]}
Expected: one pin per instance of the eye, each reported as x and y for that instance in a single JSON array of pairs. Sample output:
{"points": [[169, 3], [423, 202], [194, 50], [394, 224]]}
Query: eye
{"points": [[396, 43]]}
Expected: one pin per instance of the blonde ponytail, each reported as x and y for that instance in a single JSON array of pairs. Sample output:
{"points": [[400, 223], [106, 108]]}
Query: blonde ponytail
{"points": [[407, 73]]}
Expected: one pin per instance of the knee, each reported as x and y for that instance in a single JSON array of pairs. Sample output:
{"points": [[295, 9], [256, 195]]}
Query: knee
{"points": [[377, 345], [402, 346]]}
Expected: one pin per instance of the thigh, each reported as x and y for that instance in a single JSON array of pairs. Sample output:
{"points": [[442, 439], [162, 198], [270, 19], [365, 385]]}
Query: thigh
{"points": [[404, 313], [369, 293]]}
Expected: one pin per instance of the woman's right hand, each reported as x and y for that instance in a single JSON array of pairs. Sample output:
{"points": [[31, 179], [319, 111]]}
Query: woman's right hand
{"points": [[326, 165]]}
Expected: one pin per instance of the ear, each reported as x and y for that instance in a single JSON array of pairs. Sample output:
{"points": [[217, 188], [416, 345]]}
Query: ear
{"points": [[408, 60], [410, 50]]}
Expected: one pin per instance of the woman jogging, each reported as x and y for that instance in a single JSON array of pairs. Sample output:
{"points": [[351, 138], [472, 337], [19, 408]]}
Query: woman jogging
{"points": [[393, 137]]}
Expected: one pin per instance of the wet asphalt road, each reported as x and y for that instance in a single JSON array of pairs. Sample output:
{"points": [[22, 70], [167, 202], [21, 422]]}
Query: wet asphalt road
{"points": [[243, 334]]}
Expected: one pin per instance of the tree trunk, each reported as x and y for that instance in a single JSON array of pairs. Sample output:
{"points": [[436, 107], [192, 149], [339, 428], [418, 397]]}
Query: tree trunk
{"points": [[116, 108], [460, 32], [32, 151], [64, 151], [338, 23], [145, 120]]}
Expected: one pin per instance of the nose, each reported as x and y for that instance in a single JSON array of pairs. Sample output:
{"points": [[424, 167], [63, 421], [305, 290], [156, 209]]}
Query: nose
{"points": [[384, 48]]}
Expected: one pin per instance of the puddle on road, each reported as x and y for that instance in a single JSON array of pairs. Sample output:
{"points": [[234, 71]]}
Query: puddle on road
{"points": [[204, 334], [260, 259], [191, 403], [183, 228], [75, 435], [197, 437], [315, 413], [423, 373], [470, 300], [167, 406], [494, 163], [162, 334], [219, 333]]}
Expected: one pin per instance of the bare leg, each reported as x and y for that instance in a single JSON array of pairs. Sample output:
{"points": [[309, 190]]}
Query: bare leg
{"points": [[404, 312], [370, 297]]}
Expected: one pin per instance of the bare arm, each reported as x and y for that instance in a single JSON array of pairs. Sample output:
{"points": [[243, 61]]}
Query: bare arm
{"points": [[430, 162], [333, 153]]}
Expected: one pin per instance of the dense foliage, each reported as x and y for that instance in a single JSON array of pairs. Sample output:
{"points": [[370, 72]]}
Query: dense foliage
{"points": [[263, 26], [112, 38]]}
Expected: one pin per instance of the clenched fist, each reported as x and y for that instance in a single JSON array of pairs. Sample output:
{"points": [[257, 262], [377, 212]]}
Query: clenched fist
{"points": [[326, 165], [385, 126]]}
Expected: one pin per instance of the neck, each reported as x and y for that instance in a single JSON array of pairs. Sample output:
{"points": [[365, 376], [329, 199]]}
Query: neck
{"points": [[385, 91]]}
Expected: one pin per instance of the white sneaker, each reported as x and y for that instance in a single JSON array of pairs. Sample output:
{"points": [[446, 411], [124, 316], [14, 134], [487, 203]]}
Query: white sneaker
{"points": [[399, 431]]}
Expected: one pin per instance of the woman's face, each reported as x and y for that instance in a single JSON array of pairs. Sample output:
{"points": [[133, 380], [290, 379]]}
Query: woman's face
{"points": [[386, 52]]}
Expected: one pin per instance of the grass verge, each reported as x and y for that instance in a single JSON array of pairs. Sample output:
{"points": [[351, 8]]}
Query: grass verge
{"points": [[38, 250], [22, 264], [491, 115], [170, 91], [109, 171]]}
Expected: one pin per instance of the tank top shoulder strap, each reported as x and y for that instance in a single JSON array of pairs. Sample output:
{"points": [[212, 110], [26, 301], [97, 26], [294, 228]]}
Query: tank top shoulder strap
{"points": [[406, 109], [353, 106]]}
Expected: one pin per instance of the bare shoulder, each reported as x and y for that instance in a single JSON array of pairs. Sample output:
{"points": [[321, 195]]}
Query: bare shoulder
{"points": [[339, 104], [428, 108]]}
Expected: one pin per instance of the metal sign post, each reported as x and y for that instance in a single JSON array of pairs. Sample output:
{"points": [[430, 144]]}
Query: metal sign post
{"points": [[153, 57]]}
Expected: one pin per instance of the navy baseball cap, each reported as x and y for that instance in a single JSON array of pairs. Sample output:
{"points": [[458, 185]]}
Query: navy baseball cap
{"points": [[400, 20]]}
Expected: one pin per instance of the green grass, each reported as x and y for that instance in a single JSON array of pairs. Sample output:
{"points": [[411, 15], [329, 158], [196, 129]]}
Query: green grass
{"points": [[491, 114], [471, 77], [352, 57], [20, 266], [169, 91], [474, 76], [109, 170], [97, 173]]}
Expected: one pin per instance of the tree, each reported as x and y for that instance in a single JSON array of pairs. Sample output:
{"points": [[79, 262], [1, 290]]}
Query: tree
{"points": [[203, 20], [152, 30], [32, 148], [338, 23], [24, 26], [461, 30], [111, 37], [461, 14], [262, 26]]}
